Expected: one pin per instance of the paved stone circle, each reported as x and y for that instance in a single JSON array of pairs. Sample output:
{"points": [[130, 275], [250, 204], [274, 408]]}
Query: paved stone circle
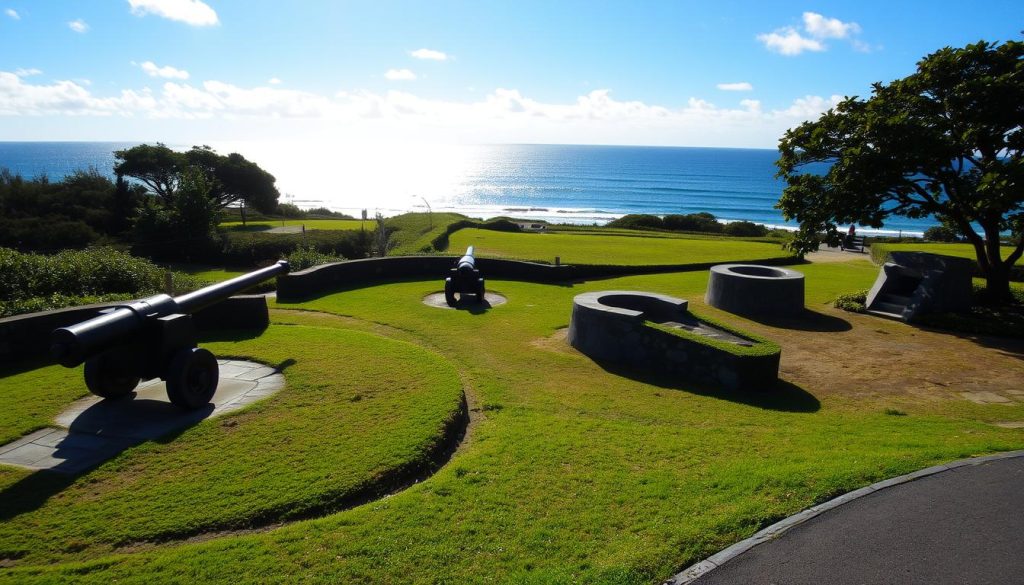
{"points": [[491, 299], [93, 430]]}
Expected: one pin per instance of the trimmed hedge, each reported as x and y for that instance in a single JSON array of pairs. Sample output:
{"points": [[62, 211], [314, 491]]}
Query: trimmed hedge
{"points": [[255, 248]]}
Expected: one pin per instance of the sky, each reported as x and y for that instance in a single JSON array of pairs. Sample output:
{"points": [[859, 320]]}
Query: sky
{"points": [[680, 73]]}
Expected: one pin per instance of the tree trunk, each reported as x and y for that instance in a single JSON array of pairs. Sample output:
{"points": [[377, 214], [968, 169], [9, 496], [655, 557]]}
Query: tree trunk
{"points": [[996, 272]]}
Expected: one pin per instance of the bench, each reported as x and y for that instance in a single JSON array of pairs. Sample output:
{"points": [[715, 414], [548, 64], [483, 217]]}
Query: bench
{"points": [[852, 243]]}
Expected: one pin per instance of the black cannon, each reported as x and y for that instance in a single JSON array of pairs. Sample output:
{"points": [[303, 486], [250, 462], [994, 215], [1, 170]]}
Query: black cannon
{"points": [[151, 338], [465, 279]]}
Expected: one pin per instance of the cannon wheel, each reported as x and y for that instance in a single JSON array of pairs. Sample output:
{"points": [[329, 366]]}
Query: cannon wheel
{"points": [[449, 292], [107, 376], [480, 291], [192, 378]]}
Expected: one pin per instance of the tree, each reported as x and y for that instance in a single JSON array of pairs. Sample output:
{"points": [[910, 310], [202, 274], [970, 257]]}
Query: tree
{"points": [[230, 178], [945, 141], [157, 167]]}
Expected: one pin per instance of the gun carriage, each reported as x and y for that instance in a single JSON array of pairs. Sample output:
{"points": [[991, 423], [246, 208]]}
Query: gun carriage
{"points": [[465, 279]]}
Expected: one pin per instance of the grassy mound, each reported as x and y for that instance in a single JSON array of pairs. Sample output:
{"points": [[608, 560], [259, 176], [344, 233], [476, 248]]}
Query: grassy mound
{"points": [[632, 250], [348, 425]]}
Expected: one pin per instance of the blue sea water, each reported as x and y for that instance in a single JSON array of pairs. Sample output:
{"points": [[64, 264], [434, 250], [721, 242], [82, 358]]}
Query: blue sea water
{"points": [[577, 184]]}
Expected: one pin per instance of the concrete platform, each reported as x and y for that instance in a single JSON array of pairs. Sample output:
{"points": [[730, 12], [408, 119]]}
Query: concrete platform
{"points": [[491, 299], [94, 430]]}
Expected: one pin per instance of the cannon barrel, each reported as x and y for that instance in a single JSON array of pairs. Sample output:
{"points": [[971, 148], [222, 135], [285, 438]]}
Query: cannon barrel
{"points": [[467, 263], [72, 345]]}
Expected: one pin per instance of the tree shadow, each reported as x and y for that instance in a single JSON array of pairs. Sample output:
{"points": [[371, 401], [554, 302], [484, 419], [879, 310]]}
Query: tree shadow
{"points": [[783, 396], [806, 320], [212, 335]]}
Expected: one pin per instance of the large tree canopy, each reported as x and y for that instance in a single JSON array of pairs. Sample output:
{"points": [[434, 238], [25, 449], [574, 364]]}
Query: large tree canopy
{"points": [[231, 178], [945, 141]]}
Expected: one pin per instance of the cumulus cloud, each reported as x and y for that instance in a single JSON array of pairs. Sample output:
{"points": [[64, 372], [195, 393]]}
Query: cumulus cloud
{"points": [[821, 27], [400, 75], [429, 54], [166, 72], [740, 86], [12, 13], [79, 26], [274, 81], [191, 12], [817, 28]]}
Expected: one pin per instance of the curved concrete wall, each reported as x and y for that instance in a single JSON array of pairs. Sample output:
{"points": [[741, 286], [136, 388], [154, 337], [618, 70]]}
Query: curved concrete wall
{"points": [[751, 289], [611, 326]]}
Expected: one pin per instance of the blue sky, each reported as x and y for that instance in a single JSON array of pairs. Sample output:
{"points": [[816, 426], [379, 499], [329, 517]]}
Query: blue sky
{"points": [[676, 73]]}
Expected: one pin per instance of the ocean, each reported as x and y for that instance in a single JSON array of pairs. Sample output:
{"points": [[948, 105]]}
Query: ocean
{"points": [[561, 183]]}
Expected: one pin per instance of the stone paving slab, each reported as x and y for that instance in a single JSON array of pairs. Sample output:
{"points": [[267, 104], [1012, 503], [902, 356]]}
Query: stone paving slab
{"points": [[95, 430]]}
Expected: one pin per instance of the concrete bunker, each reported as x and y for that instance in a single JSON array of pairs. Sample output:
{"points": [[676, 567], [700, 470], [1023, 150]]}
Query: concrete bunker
{"points": [[916, 283], [657, 333], [751, 289]]}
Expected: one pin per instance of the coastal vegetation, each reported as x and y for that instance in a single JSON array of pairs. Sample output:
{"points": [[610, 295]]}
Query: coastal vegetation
{"points": [[946, 141]]}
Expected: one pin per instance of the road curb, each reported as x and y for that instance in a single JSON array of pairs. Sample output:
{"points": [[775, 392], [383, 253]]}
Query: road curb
{"points": [[693, 572]]}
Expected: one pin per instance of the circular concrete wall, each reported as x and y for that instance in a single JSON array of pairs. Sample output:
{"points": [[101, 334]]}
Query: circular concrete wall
{"points": [[756, 290]]}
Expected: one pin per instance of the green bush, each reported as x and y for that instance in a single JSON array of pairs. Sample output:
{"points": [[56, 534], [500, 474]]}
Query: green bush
{"points": [[853, 302], [35, 282], [637, 222], [307, 256], [290, 210], [693, 222], [745, 229], [941, 233], [256, 248]]}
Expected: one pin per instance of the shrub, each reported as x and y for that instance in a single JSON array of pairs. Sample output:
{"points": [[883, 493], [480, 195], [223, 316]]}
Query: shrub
{"points": [[637, 222], [290, 210], [307, 256], [941, 233], [745, 229], [853, 302], [36, 282], [256, 248], [693, 222]]}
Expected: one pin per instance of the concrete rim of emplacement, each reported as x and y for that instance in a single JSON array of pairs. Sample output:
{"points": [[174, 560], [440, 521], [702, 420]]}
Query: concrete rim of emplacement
{"points": [[697, 570], [491, 299], [757, 271]]}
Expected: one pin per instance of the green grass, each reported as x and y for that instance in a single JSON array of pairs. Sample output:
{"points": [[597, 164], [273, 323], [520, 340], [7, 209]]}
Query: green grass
{"points": [[574, 248], [880, 251], [414, 233], [570, 474], [346, 422], [311, 224]]}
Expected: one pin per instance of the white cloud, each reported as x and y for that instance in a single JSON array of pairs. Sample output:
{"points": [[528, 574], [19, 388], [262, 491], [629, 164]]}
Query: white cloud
{"points": [[12, 13], [27, 72], [741, 86], [789, 41], [274, 81], [429, 54], [821, 27], [400, 75], [79, 26], [167, 72], [192, 12], [505, 114]]}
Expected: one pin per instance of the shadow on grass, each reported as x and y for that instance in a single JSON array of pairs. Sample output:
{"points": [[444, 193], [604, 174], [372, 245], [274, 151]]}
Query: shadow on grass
{"points": [[784, 397], [249, 228], [806, 320], [31, 492], [212, 335]]}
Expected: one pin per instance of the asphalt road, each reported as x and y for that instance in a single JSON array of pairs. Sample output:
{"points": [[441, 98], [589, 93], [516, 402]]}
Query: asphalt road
{"points": [[963, 526]]}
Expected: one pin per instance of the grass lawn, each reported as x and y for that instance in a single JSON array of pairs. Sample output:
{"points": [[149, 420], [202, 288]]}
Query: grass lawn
{"points": [[611, 249], [569, 472], [879, 251], [311, 224]]}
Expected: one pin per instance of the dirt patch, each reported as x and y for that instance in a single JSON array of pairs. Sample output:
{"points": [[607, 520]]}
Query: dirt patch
{"points": [[875, 357], [557, 342]]}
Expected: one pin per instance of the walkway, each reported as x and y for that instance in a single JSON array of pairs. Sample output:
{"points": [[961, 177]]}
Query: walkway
{"points": [[958, 523]]}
